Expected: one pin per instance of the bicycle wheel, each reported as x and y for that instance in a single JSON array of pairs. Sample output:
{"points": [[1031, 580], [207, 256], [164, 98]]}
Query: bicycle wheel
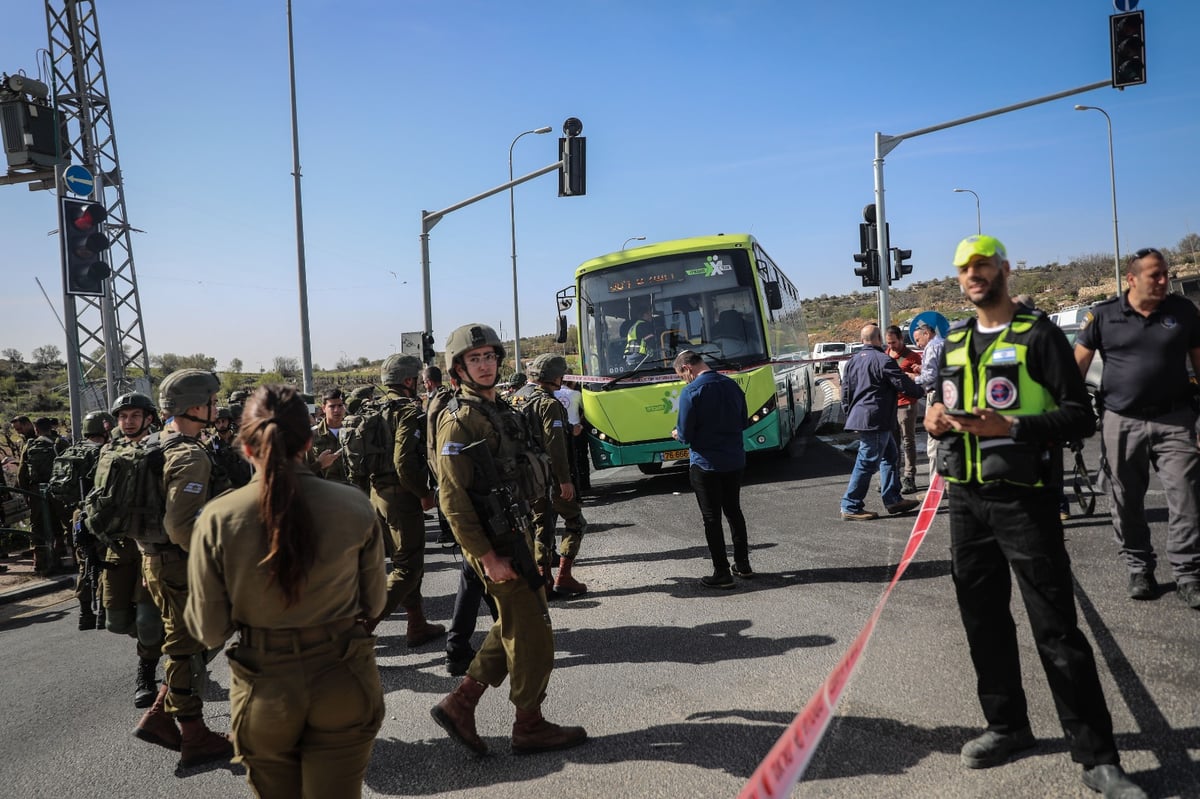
{"points": [[1085, 491]]}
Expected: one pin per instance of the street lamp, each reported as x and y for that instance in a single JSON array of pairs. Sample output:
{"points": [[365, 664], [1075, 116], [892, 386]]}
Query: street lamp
{"points": [[632, 238], [1112, 178], [978, 226], [512, 222]]}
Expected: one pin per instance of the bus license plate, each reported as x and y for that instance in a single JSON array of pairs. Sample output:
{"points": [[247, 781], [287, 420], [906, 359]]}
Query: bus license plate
{"points": [[676, 454]]}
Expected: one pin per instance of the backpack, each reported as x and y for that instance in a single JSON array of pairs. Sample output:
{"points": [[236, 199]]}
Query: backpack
{"points": [[126, 499], [72, 473], [369, 441]]}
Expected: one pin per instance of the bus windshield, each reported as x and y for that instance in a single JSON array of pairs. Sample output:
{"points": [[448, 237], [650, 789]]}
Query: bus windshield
{"points": [[636, 317]]}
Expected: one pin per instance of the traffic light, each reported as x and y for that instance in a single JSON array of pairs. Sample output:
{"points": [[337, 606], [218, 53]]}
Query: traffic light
{"points": [[898, 258], [572, 152], [82, 244], [867, 257], [427, 353], [1128, 49]]}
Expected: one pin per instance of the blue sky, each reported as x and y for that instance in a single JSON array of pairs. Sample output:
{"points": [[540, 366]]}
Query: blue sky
{"points": [[702, 117]]}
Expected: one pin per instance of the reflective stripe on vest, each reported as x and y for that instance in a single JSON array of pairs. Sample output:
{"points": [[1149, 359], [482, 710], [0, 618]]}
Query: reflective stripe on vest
{"points": [[1001, 382], [635, 344]]}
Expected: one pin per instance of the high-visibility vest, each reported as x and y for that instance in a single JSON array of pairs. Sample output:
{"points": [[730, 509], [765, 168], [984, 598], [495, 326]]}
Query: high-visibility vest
{"points": [[1000, 381], [635, 344]]}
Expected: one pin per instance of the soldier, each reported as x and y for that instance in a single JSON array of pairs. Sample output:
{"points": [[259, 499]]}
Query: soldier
{"points": [[35, 466], [190, 397], [325, 455], [548, 423], [401, 496], [520, 645], [79, 471], [223, 448], [128, 608]]}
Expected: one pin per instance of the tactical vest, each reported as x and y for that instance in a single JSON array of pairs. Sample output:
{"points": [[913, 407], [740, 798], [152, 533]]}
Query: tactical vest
{"points": [[1000, 381], [523, 465]]}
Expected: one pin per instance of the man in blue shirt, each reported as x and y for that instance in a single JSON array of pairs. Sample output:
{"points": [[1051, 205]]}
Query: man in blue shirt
{"points": [[712, 416], [869, 391]]}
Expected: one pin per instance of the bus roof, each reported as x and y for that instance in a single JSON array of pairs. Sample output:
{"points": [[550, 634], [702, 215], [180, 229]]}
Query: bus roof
{"points": [[722, 241]]}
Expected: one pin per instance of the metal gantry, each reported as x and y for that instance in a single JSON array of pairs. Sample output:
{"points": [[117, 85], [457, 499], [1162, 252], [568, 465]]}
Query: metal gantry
{"points": [[112, 323]]}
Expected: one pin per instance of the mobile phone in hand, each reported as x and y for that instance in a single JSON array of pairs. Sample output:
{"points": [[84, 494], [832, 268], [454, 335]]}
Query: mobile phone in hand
{"points": [[961, 413]]}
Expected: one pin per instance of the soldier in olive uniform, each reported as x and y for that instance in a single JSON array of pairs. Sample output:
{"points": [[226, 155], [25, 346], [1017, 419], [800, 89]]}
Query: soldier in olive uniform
{"points": [[520, 645], [190, 396], [222, 446], [128, 608], [402, 495], [34, 468], [550, 429], [325, 455], [291, 565], [87, 550]]}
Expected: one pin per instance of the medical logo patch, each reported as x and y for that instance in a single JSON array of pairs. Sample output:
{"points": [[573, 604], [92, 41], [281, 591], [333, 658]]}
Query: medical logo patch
{"points": [[950, 393], [1001, 393], [1169, 322]]}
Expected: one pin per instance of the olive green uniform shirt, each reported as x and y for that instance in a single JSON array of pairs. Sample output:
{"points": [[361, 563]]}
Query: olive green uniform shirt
{"points": [[551, 433], [229, 589], [323, 440], [408, 456], [456, 472], [187, 472]]}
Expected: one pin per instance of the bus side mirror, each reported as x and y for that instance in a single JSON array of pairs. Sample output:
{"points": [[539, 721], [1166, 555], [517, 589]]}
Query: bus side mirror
{"points": [[561, 338], [774, 298]]}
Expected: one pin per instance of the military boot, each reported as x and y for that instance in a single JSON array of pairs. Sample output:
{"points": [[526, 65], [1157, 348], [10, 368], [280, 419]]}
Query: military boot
{"points": [[156, 726], [532, 733], [145, 685], [456, 714], [87, 621], [548, 578], [565, 584], [101, 619], [420, 631], [202, 745]]}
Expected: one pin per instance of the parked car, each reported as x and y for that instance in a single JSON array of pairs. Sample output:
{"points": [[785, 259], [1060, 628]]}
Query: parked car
{"points": [[826, 352], [1096, 370]]}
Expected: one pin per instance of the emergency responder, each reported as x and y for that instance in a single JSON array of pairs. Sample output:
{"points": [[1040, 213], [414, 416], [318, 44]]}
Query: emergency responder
{"points": [[222, 445], [639, 338], [128, 608], [189, 397], [520, 644], [548, 423], [402, 495], [292, 562], [1009, 394]]}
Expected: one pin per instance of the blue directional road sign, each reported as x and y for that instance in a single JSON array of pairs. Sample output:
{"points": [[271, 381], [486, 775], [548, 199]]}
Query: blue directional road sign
{"points": [[79, 180], [1124, 5]]}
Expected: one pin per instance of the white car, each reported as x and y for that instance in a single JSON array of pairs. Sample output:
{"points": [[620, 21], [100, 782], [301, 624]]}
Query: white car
{"points": [[827, 350]]}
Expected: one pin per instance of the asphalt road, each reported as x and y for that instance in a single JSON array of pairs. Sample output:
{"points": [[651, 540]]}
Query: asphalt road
{"points": [[683, 689]]}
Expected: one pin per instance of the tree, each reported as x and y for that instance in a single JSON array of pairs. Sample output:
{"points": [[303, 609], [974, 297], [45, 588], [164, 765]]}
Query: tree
{"points": [[46, 355], [13, 356], [344, 365], [364, 362], [170, 362], [1189, 244], [235, 365], [287, 367]]}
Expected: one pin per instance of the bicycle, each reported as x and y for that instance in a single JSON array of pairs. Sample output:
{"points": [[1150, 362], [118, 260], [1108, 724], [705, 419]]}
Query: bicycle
{"points": [[1083, 485]]}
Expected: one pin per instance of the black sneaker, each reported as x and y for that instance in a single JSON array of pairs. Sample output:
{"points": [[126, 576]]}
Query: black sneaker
{"points": [[1189, 594], [1142, 585], [724, 581], [1111, 781], [743, 570], [457, 663], [994, 748]]}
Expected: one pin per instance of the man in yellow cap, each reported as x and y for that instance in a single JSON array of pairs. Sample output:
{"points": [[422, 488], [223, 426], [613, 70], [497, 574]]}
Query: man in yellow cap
{"points": [[1008, 394]]}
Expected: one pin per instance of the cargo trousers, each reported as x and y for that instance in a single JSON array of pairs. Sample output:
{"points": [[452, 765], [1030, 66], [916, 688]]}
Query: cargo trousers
{"points": [[401, 511], [545, 521], [305, 716], [166, 579], [129, 608]]}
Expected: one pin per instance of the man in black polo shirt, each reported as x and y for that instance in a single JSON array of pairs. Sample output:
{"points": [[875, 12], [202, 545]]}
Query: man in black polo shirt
{"points": [[1145, 337]]}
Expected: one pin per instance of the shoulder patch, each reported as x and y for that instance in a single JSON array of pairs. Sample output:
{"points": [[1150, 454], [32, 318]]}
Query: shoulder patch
{"points": [[1087, 320], [452, 448], [193, 488]]}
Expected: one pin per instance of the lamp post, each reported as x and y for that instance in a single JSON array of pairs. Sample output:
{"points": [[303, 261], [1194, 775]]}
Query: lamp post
{"points": [[512, 222], [978, 225], [1112, 178], [632, 238]]}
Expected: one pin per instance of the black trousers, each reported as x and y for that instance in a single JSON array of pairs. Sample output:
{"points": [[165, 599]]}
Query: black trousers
{"points": [[996, 528], [720, 493]]}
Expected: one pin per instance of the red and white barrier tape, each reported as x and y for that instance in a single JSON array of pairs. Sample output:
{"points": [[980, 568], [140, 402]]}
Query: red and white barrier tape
{"points": [[784, 765]]}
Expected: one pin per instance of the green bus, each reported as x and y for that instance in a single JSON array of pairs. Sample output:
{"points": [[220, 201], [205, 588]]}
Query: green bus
{"points": [[720, 296]]}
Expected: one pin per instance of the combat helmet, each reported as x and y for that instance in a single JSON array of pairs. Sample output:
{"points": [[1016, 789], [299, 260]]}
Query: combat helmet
{"points": [[134, 399], [187, 388], [239, 396], [469, 337], [98, 423], [357, 397], [223, 412], [398, 368], [548, 368]]}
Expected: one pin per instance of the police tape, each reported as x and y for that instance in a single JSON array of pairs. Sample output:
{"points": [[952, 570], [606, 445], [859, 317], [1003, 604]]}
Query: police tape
{"points": [[784, 765], [673, 378]]}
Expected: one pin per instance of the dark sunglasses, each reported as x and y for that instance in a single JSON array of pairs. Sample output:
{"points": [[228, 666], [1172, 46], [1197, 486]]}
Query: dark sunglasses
{"points": [[1142, 253]]}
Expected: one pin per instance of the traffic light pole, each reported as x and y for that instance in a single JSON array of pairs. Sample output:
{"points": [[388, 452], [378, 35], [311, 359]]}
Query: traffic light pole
{"points": [[431, 218], [884, 144]]}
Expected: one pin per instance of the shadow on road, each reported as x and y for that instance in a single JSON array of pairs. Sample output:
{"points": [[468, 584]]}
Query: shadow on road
{"points": [[46, 617]]}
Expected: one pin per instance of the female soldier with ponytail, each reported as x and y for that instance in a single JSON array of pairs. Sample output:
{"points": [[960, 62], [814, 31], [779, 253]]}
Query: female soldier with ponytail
{"points": [[291, 563]]}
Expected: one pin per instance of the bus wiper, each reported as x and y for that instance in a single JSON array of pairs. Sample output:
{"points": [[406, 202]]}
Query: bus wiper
{"points": [[626, 375], [721, 362]]}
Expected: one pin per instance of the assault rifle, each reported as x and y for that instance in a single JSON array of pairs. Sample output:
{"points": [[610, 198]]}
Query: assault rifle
{"points": [[505, 519], [89, 546]]}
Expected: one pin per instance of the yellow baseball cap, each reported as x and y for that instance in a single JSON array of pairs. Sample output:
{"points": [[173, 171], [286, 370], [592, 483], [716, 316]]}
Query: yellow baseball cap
{"points": [[987, 246]]}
